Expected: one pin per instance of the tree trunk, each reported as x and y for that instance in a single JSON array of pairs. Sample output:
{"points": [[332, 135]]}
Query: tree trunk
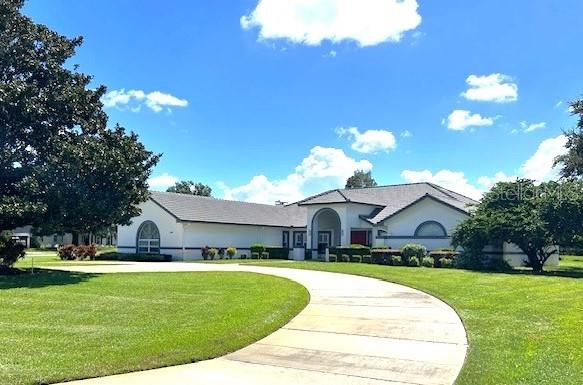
{"points": [[75, 239], [535, 262]]}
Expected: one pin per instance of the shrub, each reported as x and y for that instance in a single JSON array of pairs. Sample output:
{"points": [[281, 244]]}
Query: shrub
{"points": [[413, 250], [345, 258], [470, 261], [254, 255], [446, 262], [72, 252], [10, 252], [212, 253], [276, 252], [396, 260], [265, 255], [257, 248], [497, 264], [383, 256], [131, 257], [350, 250], [448, 253], [231, 251], [428, 262], [67, 252], [413, 262], [221, 253], [243, 256], [366, 259], [355, 258], [205, 252], [332, 258]]}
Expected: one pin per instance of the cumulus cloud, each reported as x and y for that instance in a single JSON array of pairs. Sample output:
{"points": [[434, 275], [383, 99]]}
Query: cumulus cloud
{"points": [[162, 182], [453, 180], [310, 22], [370, 141], [134, 99], [530, 127], [538, 167], [496, 88], [459, 120], [324, 168]]}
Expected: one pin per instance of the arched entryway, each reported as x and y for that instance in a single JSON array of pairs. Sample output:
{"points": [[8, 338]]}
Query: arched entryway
{"points": [[326, 230], [148, 238]]}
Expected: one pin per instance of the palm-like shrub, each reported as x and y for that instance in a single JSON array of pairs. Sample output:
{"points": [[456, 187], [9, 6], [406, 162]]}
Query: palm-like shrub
{"points": [[231, 251]]}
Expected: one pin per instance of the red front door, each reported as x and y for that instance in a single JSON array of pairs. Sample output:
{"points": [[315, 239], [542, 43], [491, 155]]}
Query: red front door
{"points": [[358, 237]]}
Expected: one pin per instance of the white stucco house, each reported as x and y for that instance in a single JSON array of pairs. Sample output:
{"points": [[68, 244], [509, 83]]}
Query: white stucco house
{"points": [[181, 225]]}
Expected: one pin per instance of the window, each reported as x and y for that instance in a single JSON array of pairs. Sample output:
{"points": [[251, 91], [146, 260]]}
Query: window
{"points": [[299, 239], [430, 229], [285, 239], [148, 238]]}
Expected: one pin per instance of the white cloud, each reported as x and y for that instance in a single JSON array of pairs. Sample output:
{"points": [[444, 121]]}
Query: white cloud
{"points": [[453, 180], [540, 165], [406, 134], [310, 22], [459, 120], [491, 88], [559, 104], [370, 141], [324, 168], [133, 99], [530, 127], [162, 182]]}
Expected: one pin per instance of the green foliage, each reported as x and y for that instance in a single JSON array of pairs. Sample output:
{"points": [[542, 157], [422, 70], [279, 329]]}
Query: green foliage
{"points": [[10, 252], [396, 260], [356, 258], [231, 252], [366, 259], [361, 179], [189, 187], [257, 248], [276, 252], [62, 169], [205, 252], [212, 253], [427, 262], [344, 258], [243, 256], [446, 263], [413, 250], [534, 217], [254, 255], [413, 262], [350, 250], [382, 256], [133, 257], [265, 255], [571, 162], [332, 258]]}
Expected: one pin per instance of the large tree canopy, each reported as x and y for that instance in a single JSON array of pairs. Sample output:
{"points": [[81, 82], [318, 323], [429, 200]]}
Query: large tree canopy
{"points": [[60, 166], [536, 218], [361, 179], [189, 187], [571, 163]]}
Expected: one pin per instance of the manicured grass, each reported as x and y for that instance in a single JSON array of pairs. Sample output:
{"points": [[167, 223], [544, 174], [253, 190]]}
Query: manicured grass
{"points": [[57, 326], [522, 328]]}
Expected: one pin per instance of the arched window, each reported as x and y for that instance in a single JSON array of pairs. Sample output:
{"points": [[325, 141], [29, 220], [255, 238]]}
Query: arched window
{"points": [[430, 229], [148, 238]]}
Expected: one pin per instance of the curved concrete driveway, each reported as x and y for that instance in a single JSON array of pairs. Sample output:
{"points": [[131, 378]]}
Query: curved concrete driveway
{"points": [[355, 331]]}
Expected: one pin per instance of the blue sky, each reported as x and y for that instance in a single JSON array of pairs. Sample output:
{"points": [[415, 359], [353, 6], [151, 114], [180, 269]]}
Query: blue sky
{"points": [[278, 100]]}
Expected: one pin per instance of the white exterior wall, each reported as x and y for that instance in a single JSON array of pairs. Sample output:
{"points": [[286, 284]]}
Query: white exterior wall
{"points": [[401, 227], [515, 257], [170, 231]]}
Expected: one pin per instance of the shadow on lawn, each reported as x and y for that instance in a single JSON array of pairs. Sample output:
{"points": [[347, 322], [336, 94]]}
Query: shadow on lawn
{"points": [[43, 278], [565, 272]]}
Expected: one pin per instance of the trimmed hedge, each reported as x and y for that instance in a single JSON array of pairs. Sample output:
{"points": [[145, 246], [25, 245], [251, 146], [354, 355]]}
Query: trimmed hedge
{"points": [[446, 262], [366, 259], [383, 256], [344, 258], [396, 260], [413, 250], [277, 252], [257, 248], [265, 255], [350, 250], [133, 257], [355, 258], [254, 255], [332, 258], [427, 262], [413, 262]]}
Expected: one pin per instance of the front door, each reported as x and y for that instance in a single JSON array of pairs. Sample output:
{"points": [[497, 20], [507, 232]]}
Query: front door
{"points": [[323, 241]]}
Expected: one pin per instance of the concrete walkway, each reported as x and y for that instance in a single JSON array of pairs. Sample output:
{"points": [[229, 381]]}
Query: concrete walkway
{"points": [[355, 331]]}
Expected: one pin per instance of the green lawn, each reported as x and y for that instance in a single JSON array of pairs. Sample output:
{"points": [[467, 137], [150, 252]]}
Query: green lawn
{"points": [[57, 326], [522, 329]]}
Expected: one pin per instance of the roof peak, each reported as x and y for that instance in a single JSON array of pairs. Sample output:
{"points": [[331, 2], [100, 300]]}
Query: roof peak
{"points": [[217, 199]]}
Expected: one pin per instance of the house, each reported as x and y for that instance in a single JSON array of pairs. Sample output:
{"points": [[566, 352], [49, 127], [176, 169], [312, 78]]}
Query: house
{"points": [[181, 224], [26, 236]]}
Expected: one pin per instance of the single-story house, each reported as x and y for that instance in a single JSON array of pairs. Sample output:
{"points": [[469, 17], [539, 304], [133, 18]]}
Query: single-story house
{"points": [[181, 224], [26, 236]]}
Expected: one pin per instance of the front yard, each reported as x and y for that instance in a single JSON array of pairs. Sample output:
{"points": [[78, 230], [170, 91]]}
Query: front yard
{"points": [[57, 326], [522, 328]]}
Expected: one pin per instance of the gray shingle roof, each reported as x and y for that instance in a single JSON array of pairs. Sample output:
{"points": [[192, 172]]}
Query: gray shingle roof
{"points": [[392, 199], [191, 208]]}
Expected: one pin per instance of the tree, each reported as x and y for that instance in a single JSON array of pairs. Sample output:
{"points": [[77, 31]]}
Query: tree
{"points": [[189, 187], [361, 179], [571, 162], [536, 218], [60, 166]]}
